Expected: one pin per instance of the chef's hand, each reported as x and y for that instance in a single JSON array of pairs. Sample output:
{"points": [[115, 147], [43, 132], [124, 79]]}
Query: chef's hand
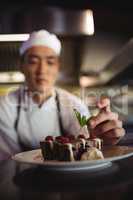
{"points": [[106, 124]]}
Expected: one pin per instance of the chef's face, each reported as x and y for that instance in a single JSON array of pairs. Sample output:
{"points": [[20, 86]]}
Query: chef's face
{"points": [[40, 67]]}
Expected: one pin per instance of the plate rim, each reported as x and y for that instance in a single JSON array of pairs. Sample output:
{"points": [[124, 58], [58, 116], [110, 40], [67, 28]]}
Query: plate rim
{"points": [[67, 164]]}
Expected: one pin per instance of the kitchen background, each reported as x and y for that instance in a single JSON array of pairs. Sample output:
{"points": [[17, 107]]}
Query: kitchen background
{"points": [[97, 53]]}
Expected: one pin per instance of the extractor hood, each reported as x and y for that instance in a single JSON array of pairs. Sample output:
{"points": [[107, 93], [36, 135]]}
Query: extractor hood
{"points": [[57, 20]]}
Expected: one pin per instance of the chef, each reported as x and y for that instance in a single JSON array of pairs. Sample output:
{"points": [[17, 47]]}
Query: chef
{"points": [[38, 108]]}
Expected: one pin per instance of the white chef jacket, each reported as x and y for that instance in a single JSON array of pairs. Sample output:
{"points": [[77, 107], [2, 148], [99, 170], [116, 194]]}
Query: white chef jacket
{"points": [[34, 122]]}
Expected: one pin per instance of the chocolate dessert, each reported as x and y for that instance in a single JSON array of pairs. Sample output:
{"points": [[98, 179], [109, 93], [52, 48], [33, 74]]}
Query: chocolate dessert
{"points": [[70, 148]]}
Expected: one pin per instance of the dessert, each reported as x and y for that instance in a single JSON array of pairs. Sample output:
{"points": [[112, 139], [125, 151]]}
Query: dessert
{"points": [[92, 154], [70, 148]]}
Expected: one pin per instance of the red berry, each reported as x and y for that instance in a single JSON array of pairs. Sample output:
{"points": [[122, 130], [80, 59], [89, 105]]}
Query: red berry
{"points": [[62, 139], [65, 140], [59, 138], [70, 136], [81, 136], [49, 138]]}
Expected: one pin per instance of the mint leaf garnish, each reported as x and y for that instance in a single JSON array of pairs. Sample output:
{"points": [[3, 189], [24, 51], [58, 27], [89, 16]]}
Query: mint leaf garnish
{"points": [[82, 119]]}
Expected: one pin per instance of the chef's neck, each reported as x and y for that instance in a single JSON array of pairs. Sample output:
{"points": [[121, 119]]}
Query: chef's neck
{"points": [[40, 97]]}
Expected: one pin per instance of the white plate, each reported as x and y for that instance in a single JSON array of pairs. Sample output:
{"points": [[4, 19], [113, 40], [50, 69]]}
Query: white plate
{"points": [[110, 154]]}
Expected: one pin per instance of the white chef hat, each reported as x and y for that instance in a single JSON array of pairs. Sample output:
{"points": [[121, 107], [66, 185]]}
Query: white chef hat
{"points": [[43, 38]]}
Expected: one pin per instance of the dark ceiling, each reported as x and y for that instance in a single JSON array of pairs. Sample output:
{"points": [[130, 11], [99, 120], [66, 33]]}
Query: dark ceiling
{"points": [[93, 4], [75, 4], [110, 16]]}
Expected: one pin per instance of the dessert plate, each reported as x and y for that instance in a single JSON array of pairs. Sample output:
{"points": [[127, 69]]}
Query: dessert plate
{"points": [[111, 154]]}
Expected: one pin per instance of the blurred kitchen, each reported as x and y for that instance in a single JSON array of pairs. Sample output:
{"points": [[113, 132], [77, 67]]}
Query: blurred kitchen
{"points": [[97, 55]]}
